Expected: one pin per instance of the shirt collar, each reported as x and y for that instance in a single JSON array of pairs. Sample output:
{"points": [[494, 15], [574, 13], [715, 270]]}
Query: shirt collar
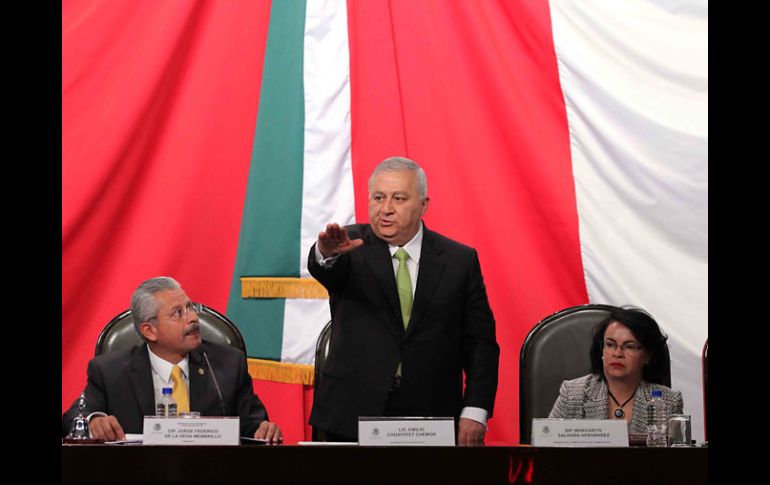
{"points": [[413, 247], [163, 367]]}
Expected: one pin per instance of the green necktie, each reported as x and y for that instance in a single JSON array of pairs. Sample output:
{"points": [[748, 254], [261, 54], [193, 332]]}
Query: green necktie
{"points": [[404, 284]]}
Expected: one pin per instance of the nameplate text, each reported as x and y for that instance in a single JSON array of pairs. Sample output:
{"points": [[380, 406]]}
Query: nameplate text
{"points": [[579, 432], [406, 431], [215, 430]]}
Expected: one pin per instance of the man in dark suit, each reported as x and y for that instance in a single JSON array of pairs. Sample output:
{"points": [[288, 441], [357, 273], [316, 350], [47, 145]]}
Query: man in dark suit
{"points": [[124, 386], [410, 314]]}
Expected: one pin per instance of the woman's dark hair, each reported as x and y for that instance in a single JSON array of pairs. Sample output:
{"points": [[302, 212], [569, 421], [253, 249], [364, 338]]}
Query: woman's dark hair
{"points": [[646, 331]]}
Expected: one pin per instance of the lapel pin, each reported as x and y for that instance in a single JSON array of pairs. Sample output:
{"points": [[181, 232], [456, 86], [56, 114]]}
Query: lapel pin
{"points": [[200, 371]]}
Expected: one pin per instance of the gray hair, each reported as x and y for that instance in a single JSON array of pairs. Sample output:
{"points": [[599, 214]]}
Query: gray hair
{"points": [[397, 164], [144, 306]]}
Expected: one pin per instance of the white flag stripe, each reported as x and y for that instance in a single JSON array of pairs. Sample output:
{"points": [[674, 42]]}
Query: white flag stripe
{"points": [[327, 186], [303, 322], [635, 81]]}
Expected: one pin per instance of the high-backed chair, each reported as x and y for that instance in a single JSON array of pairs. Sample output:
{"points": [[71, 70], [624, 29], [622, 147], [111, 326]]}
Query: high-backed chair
{"points": [[120, 333], [321, 351], [705, 359], [556, 349]]}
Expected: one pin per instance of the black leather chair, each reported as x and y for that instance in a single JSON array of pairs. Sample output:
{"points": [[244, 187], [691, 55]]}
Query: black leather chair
{"points": [[705, 359], [556, 349], [120, 333], [321, 351]]}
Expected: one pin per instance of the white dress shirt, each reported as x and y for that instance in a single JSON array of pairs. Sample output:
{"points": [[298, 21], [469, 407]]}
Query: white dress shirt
{"points": [[161, 374]]}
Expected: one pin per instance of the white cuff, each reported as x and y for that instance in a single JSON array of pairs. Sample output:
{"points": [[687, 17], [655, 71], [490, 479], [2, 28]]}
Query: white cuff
{"points": [[324, 262], [477, 414], [95, 414]]}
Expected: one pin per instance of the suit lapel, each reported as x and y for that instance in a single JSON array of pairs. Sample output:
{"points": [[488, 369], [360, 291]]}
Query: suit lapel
{"points": [[379, 261], [596, 406], [198, 380], [141, 380], [642, 396], [429, 274]]}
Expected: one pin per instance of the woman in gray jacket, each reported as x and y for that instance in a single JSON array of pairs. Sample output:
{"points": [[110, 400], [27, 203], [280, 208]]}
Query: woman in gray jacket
{"points": [[628, 360]]}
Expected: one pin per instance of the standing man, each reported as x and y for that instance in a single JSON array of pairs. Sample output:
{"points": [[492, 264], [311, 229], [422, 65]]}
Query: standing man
{"points": [[410, 314], [124, 386]]}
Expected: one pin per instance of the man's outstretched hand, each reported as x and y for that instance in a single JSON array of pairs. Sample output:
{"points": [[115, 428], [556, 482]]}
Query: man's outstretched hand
{"points": [[335, 240]]}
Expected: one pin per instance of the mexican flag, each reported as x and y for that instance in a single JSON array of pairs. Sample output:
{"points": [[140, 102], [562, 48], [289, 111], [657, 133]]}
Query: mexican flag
{"points": [[566, 141]]}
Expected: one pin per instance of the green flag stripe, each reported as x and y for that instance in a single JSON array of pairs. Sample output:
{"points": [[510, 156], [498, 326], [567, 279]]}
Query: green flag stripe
{"points": [[270, 231]]}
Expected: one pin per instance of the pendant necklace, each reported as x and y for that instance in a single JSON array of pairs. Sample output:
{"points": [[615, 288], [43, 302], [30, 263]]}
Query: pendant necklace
{"points": [[619, 411]]}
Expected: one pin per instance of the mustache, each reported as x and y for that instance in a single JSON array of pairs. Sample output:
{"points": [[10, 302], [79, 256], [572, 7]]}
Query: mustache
{"points": [[192, 328]]}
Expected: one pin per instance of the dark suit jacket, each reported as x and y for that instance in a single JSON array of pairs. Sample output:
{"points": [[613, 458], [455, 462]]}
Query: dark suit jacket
{"points": [[451, 329], [120, 384]]}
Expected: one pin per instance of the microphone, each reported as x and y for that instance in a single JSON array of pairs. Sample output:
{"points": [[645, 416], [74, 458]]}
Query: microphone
{"points": [[216, 384]]}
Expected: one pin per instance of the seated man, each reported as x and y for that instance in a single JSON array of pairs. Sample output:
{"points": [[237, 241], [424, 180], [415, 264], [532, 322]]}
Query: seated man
{"points": [[124, 386]]}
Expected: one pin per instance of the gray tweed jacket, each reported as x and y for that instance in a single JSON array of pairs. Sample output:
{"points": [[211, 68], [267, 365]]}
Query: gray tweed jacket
{"points": [[586, 398]]}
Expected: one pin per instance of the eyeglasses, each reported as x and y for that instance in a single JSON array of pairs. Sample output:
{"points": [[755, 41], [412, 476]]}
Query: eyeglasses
{"points": [[182, 312], [630, 347]]}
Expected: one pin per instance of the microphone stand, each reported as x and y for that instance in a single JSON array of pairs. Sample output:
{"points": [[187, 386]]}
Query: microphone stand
{"points": [[216, 384]]}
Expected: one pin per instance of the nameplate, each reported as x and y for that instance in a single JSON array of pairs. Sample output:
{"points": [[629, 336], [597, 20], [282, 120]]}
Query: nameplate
{"points": [[580, 432], [406, 431], [214, 430]]}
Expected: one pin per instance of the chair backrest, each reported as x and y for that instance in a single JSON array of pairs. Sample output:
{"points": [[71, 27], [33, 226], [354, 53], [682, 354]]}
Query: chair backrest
{"points": [[120, 333], [705, 359], [321, 351], [556, 349]]}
